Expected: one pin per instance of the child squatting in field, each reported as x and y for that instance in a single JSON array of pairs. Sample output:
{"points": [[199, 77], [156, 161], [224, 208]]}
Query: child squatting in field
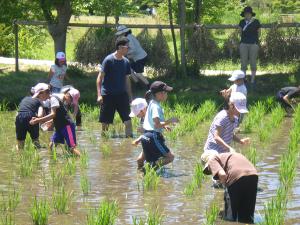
{"points": [[153, 142], [31, 107], [64, 126]]}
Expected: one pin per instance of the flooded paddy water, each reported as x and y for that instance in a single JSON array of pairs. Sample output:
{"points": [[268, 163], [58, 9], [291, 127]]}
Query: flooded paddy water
{"points": [[114, 177]]}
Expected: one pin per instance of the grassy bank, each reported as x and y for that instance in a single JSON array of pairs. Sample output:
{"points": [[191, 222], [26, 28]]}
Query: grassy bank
{"points": [[192, 90]]}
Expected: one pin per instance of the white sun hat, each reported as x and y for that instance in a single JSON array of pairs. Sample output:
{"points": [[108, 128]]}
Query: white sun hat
{"points": [[122, 29], [137, 105], [240, 102], [236, 75]]}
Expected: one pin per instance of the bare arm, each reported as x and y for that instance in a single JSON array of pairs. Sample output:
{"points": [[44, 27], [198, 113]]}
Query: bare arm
{"points": [[128, 88], [50, 74], [158, 124], [219, 140], [50, 116], [287, 100], [40, 111], [98, 85]]}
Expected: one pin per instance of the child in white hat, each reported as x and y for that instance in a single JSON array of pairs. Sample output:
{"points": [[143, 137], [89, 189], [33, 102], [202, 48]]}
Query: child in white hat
{"points": [[57, 72], [238, 78], [31, 106], [138, 109]]}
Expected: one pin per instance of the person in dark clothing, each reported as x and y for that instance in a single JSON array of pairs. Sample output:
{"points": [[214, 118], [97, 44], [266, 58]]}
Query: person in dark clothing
{"points": [[64, 126], [286, 97], [31, 106], [240, 178], [249, 45]]}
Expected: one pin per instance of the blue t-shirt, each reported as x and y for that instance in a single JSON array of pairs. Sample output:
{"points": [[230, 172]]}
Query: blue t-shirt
{"points": [[115, 72], [154, 110], [249, 31]]}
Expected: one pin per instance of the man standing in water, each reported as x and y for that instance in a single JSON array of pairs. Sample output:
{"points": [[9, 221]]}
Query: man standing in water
{"points": [[113, 87]]}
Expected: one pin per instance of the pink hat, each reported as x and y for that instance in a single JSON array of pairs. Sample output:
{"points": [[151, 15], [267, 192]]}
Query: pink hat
{"points": [[75, 95], [137, 105], [61, 56]]}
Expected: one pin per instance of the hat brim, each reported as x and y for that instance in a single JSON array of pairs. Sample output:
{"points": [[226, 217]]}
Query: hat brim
{"points": [[242, 109], [243, 14], [36, 94], [132, 114], [168, 88], [206, 170], [122, 31], [232, 79]]}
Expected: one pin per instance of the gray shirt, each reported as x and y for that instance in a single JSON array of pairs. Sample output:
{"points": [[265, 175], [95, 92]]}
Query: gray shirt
{"points": [[59, 73]]}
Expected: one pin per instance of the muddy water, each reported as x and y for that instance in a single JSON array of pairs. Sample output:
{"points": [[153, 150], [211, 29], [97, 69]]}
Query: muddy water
{"points": [[116, 178]]}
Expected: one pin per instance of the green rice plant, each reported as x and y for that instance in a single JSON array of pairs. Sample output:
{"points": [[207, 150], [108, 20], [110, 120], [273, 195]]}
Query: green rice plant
{"points": [[62, 200], [70, 166], [106, 214], [84, 160], [40, 211], [7, 219], [196, 181], [275, 209], [54, 154], [151, 178], [106, 150], [57, 176], [287, 169], [29, 159], [251, 155], [154, 217], [212, 214], [12, 200], [85, 184], [4, 106], [254, 117]]}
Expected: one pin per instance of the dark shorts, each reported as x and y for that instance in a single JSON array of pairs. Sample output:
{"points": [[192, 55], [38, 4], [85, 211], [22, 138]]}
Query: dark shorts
{"points": [[139, 65], [23, 126], [66, 134], [113, 103], [154, 147]]}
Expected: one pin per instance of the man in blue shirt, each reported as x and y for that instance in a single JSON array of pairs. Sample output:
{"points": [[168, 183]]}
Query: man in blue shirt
{"points": [[113, 87]]}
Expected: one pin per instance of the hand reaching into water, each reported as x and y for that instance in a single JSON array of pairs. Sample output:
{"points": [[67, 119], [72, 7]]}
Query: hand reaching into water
{"points": [[245, 141]]}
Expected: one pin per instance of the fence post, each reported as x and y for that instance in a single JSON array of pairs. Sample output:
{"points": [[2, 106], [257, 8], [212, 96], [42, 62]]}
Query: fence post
{"points": [[16, 31]]}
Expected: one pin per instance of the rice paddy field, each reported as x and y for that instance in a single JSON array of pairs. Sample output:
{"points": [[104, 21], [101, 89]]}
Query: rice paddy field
{"points": [[103, 186]]}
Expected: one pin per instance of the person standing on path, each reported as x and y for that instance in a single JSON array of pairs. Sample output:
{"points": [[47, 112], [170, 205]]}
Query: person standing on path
{"points": [[136, 54], [249, 45], [240, 178], [58, 72], [114, 88]]}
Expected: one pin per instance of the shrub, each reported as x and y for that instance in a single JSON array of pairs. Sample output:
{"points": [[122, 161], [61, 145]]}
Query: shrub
{"points": [[75, 71], [231, 46], [95, 45]]}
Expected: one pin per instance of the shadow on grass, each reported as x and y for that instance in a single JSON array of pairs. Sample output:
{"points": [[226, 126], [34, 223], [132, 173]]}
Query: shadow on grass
{"points": [[188, 90]]}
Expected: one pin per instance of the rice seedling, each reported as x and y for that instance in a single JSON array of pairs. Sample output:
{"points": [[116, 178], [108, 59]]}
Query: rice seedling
{"points": [[54, 154], [254, 117], [106, 214], [106, 150], [62, 200], [70, 166], [29, 159], [40, 211], [57, 176], [154, 217], [287, 169], [251, 155], [85, 184], [84, 160], [7, 219], [196, 181], [212, 214], [12, 200], [151, 178]]}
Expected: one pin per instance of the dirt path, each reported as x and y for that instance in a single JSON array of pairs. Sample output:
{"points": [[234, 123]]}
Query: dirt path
{"points": [[33, 62]]}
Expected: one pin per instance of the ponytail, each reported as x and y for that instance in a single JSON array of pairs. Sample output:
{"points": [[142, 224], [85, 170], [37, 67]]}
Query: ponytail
{"points": [[148, 96]]}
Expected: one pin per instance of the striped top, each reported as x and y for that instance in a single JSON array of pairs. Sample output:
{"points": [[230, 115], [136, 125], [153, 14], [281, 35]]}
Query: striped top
{"points": [[221, 120]]}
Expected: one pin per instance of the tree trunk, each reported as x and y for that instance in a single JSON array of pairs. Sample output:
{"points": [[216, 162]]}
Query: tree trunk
{"points": [[57, 25], [173, 35], [182, 18], [197, 4]]}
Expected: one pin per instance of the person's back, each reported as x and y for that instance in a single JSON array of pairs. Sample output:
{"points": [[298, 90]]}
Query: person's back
{"points": [[29, 105], [239, 88], [135, 51]]}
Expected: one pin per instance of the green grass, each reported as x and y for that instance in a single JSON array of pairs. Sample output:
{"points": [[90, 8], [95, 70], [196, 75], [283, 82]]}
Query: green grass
{"points": [[11, 201], [29, 159], [154, 217], [70, 166], [212, 214], [85, 184], [105, 149], [196, 181], [151, 178]]}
